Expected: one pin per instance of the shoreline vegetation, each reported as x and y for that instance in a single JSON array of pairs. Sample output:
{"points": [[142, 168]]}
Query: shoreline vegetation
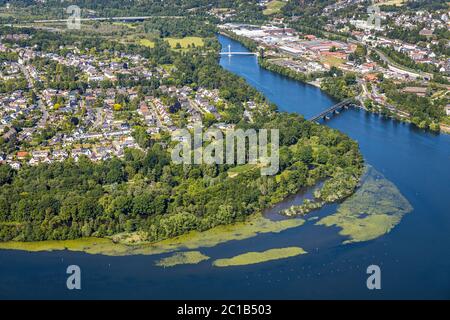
{"points": [[246, 42], [144, 204], [127, 243], [323, 153], [372, 211], [328, 193]]}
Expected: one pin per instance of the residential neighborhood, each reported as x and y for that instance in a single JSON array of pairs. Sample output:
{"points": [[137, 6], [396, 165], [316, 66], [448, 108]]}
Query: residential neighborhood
{"points": [[56, 122]]}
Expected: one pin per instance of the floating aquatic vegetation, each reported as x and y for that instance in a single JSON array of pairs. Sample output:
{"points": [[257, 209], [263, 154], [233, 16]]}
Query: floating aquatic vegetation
{"points": [[338, 187], [258, 257], [306, 207], [373, 210], [89, 244], [192, 240], [189, 257]]}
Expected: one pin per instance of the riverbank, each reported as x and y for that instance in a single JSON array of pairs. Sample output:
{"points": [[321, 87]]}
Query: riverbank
{"points": [[373, 210], [337, 187], [314, 80], [246, 42], [126, 244], [390, 112], [445, 128]]}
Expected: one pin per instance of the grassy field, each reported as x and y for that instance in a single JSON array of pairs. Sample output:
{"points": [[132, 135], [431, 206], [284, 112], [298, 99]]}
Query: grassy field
{"points": [[146, 43], [274, 7], [392, 2], [184, 42], [332, 61]]}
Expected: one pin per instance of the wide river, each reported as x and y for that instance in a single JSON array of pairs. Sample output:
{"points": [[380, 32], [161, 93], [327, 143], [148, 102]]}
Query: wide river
{"points": [[414, 257]]}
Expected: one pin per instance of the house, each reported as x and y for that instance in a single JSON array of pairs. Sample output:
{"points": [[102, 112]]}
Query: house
{"points": [[90, 100], [110, 75], [21, 155], [426, 32], [81, 151], [367, 67], [33, 162], [15, 165], [10, 134], [153, 130], [371, 77], [39, 154], [447, 110], [60, 154], [124, 126], [6, 120]]}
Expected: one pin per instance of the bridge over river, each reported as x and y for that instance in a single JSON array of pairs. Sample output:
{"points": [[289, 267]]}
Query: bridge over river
{"points": [[232, 53], [333, 109]]}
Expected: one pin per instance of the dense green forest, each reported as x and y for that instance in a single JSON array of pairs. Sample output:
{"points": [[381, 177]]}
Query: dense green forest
{"points": [[246, 10], [179, 28], [431, 5], [146, 192], [339, 85]]}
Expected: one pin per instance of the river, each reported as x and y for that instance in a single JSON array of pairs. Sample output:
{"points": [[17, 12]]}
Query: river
{"points": [[414, 257]]}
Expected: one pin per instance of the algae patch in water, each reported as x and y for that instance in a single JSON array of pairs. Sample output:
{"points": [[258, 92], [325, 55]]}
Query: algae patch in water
{"points": [[90, 245], [258, 257], [372, 211], [237, 231], [192, 240], [189, 257]]}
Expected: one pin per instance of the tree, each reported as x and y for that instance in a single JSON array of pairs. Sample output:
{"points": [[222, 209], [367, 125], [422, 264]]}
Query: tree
{"points": [[74, 120], [305, 154], [142, 137], [6, 174]]}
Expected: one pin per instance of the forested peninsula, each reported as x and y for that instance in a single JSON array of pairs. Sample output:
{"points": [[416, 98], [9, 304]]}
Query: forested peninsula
{"points": [[144, 192]]}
